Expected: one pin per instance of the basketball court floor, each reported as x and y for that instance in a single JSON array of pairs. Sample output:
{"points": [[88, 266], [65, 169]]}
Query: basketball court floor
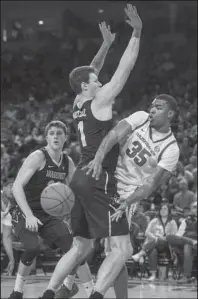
{"points": [[137, 289]]}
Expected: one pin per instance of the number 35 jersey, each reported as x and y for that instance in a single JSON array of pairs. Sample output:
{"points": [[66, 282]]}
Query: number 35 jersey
{"points": [[91, 132], [142, 152]]}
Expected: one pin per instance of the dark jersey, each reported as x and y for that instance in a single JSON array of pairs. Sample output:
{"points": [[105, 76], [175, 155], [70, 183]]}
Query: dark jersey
{"points": [[51, 173], [91, 132]]}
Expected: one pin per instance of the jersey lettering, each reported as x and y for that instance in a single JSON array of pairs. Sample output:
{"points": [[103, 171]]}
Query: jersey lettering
{"points": [[82, 135], [138, 153]]}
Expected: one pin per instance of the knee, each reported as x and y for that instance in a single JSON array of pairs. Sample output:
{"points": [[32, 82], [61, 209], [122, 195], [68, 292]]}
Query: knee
{"points": [[29, 255], [123, 247], [82, 247]]}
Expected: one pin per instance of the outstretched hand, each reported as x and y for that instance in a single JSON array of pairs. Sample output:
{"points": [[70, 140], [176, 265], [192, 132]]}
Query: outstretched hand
{"points": [[119, 212], [93, 167], [108, 37], [134, 19]]}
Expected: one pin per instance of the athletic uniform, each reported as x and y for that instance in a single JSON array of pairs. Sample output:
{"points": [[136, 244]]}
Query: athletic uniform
{"points": [[142, 152], [95, 200], [54, 231]]}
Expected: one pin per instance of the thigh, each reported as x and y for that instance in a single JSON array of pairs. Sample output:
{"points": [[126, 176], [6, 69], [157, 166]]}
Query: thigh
{"points": [[97, 199], [29, 239], [120, 242], [56, 233]]}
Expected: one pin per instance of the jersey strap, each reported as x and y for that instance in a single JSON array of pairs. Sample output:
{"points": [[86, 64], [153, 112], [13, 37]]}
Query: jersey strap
{"points": [[46, 154], [66, 162], [160, 155]]}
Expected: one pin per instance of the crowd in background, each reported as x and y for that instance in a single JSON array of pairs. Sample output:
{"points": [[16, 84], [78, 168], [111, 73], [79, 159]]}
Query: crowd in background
{"points": [[35, 90]]}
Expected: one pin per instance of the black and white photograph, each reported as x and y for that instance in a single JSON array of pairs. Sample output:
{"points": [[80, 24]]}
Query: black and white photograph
{"points": [[98, 149]]}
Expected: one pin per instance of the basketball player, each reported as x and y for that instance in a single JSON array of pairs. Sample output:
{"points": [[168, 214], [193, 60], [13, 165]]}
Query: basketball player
{"points": [[147, 157], [93, 206], [41, 168]]}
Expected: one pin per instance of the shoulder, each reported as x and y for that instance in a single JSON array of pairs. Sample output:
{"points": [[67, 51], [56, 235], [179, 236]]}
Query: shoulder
{"points": [[35, 157], [137, 118]]}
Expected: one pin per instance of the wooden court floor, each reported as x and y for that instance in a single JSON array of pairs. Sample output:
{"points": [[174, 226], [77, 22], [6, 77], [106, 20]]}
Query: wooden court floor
{"points": [[137, 289]]}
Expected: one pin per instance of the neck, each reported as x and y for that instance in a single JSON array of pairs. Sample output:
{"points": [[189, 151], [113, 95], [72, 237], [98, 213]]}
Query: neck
{"points": [[55, 155], [164, 218], [164, 129], [84, 97]]}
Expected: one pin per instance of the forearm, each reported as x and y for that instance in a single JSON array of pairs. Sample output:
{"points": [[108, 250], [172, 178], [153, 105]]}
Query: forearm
{"points": [[99, 59], [20, 198], [108, 142], [130, 55], [7, 243]]}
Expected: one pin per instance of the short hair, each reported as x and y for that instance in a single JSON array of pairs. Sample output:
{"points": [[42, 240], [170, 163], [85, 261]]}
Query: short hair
{"points": [[171, 101], [78, 76], [58, 124]]}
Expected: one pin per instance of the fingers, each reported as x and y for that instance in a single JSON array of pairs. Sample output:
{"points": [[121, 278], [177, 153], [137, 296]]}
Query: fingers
{"points": [[39, 222]]}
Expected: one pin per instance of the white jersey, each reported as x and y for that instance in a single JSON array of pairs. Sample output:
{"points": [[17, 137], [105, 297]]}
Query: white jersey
{"points": [[142, 152]]}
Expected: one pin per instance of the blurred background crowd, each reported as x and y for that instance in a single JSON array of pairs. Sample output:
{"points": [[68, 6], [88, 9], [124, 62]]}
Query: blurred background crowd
{"points": [[35, 87]]}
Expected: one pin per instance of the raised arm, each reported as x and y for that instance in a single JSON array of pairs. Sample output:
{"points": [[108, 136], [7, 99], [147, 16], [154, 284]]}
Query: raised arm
{"points": [[108, 39], [109, 91]]}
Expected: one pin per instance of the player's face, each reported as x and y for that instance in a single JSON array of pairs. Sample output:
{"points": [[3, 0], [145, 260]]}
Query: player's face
{"points": [[56, 138], [159, 113], [94, 85]]}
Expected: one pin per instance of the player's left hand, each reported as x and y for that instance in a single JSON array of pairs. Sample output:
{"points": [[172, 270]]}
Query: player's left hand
{"points": [[108, 37], [119, 212], [93, 167]]}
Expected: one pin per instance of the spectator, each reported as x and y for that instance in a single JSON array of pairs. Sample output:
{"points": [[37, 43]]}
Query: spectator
{"points": [[5, 161], [6, 229], [184, 198], [185, 241], [157, 231]]}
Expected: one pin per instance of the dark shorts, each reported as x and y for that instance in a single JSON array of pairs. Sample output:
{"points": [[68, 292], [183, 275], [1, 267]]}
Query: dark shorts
{"points": [[54, 231], [95, 202]]}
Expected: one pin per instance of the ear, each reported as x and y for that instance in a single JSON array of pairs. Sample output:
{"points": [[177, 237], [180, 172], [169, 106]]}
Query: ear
{"points": [[84, 86], [171, 114]]}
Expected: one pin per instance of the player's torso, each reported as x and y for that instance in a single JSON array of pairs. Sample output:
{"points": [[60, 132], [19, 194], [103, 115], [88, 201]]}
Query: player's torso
{"points": [[139, 157], [91, 132], [51, 173]]}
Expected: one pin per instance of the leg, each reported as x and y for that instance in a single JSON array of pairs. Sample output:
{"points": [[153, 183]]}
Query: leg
{"points": [[66, 264], [188, 260], [148, 246], [121, 250], [177, 240], [31, 244], [121, 282]]}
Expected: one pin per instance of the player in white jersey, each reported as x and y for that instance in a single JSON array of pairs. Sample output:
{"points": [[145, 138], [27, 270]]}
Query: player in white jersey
{"points": [[148, 154]]}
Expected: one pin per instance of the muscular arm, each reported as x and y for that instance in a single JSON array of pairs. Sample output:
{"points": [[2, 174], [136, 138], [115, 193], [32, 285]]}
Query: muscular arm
{"points": [[108, 92], [120, 131], [29, 167], [98, 61], [159, 176]]}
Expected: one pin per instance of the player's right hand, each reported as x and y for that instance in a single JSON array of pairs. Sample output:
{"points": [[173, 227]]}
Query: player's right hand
{"points": [[134, 19], [93, 167], [32, 223], [10, 268]]}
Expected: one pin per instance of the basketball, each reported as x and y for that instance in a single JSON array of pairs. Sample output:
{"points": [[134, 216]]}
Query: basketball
{"points": [[57, 200]]}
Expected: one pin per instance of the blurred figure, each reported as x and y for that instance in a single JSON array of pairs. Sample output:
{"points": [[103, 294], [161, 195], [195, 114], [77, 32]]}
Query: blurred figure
{"points": [[6, 227], [184, 198], [185, 241], [5, 161], [157, 231]]}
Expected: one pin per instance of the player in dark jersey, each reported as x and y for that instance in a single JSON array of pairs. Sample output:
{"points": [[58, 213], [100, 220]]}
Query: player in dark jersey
{"points": [[41, 168], [96, 200]]}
